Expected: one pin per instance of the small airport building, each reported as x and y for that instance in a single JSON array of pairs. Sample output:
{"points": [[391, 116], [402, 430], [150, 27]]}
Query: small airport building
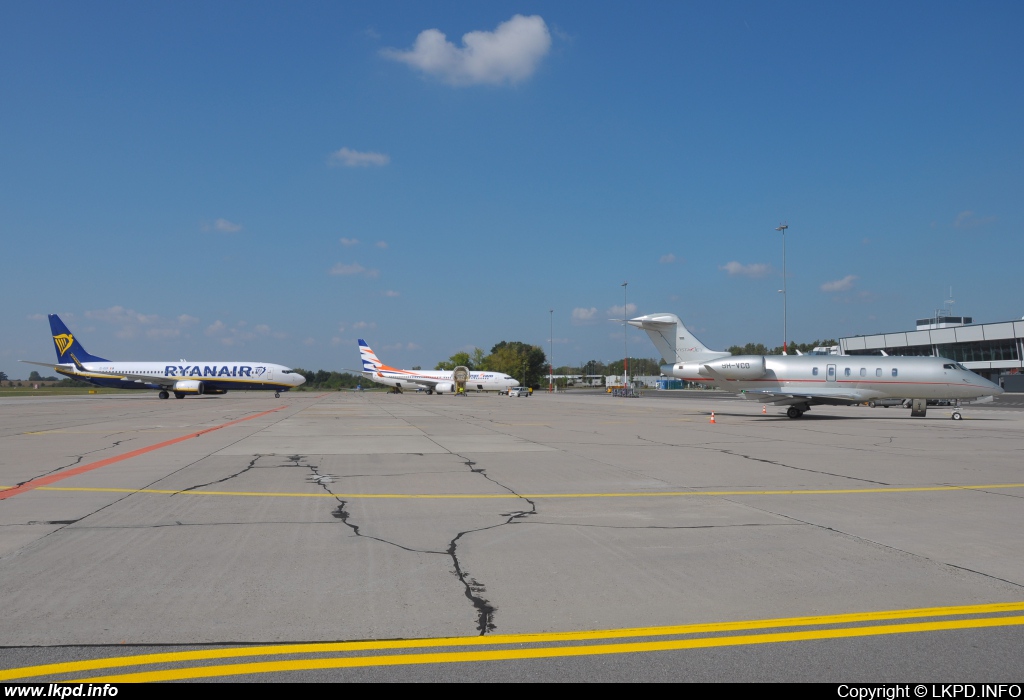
{"points": [[993, 350]]}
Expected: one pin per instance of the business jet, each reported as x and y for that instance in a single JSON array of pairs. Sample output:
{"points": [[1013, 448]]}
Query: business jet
{"points": [[440, 381], [180, 378], [802, 381]]}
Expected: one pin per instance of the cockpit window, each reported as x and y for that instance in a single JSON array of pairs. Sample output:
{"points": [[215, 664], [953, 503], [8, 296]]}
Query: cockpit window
{"points": [[286, 371], [948, 366]]}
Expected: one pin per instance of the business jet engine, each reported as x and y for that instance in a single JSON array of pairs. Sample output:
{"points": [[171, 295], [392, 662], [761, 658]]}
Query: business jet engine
{"points": [[738, 367], [188, 386], [444, 388]]}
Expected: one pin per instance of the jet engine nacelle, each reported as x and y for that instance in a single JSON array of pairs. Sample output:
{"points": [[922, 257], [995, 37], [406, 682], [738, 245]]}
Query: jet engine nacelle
{"points": [[445, 388], [739, 367], [190, 386]]}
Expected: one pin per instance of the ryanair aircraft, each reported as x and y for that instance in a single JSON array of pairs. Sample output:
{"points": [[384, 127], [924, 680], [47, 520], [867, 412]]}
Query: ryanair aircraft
{"points": [[802, 381], [180, 378]]}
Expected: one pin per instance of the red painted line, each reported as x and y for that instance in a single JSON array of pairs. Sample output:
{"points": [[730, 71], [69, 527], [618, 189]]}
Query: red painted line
{"points": [[44, 481]]}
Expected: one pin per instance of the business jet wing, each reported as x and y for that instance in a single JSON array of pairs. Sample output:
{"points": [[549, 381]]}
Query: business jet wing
{"points": [[838, 398]]}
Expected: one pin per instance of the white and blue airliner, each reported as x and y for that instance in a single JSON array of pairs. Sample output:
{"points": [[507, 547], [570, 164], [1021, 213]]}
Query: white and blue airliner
{"points": [[180, 378]]}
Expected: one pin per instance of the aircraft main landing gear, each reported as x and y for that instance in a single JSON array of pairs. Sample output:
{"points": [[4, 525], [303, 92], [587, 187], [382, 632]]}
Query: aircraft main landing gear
{"points": [[277, 394], [179, 395], [164, 394], [794, 412]]}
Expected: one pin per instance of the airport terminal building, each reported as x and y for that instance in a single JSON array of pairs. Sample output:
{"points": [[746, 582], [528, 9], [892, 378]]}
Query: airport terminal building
{"points": [[993, 350]]}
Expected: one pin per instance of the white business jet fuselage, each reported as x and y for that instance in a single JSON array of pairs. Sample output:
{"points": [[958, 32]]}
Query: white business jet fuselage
{"points": [[801, 381], [433, 381]]}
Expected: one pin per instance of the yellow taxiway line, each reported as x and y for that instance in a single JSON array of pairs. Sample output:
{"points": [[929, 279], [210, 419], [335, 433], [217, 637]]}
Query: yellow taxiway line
{"points": [[526, 646], [486, 496]]}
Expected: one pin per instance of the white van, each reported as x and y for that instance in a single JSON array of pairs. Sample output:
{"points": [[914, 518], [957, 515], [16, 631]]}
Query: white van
{"points": [[519, 391]]}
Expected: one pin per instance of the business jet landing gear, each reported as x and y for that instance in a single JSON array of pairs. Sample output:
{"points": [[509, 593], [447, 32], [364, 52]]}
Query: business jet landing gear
{"points": [[798, 410], [164, 394], [956, 411]]}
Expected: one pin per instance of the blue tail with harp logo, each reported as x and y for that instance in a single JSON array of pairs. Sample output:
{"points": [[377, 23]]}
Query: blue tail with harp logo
{"points": [[69, 350]]}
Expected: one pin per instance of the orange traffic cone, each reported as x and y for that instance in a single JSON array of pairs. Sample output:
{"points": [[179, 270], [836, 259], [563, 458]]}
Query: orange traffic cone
{"points": [[764, 409], [712, 416]]}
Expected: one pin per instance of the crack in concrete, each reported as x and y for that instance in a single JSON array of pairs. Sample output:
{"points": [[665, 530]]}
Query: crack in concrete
{"points": [[722, 450], [663, 527], [78, 460], [226, 478], [889, 547]]}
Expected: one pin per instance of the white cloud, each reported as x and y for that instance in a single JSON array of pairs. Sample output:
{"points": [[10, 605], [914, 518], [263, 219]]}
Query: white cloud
{"points": [[36, 317], [237, 334], [968, 219], [163, 333], [619, 312], [509, 54], [309, 341], [752, 270], [381, 244], [132, 324], [582, 315], [348, 242], [354, 269], [336, 341], [119, 314], [667, 258], [391, 293], [358, 159], [842, 285], [360, 325], [226, 226]]}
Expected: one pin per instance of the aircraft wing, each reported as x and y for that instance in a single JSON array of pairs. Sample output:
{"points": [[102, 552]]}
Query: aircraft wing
{"points": [[840, 398], [430, 383]]}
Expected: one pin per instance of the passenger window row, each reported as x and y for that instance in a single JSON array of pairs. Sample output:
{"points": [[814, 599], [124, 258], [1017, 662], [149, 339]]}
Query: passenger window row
{"points": [[863, 372]]}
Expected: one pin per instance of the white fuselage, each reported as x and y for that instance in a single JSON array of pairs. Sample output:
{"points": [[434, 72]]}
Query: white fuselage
{"points": [[191, 377], [407, 379], [847, 378]]}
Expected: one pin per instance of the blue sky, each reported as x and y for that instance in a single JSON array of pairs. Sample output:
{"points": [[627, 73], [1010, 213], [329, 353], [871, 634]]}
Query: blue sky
{"points": [[272, 181]]}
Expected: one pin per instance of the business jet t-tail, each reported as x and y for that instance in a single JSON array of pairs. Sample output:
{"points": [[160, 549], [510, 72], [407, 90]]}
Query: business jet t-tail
{"points": [[180, 378], [803, 381], [437, 381]]}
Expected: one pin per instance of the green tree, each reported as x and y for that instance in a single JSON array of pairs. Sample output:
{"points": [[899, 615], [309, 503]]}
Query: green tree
{"points": [[3, 377], [459, 359], [518, 359]]}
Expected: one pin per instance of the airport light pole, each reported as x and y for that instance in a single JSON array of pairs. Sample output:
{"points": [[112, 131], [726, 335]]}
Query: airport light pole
{"points": [[785, 336], [551, 348], [625, 338]]}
